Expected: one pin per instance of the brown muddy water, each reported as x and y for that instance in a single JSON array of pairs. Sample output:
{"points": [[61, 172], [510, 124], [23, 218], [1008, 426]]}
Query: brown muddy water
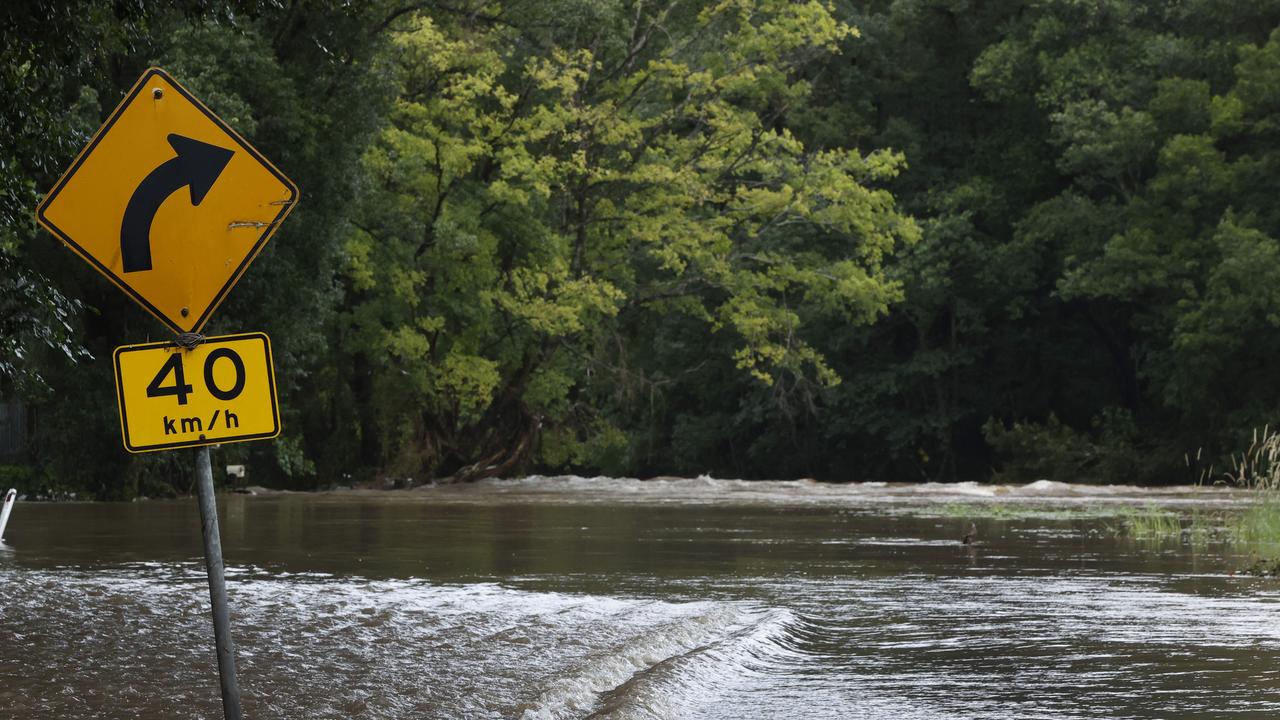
{"points": [[598, 598]]}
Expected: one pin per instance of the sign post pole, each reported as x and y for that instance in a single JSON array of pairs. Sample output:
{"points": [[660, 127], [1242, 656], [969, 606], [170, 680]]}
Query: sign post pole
{"points": [[226, 648]]}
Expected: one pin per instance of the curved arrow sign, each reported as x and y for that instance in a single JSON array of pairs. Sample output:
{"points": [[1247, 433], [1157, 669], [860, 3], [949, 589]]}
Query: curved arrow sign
{"points": [[197, 166], [122, 205]]}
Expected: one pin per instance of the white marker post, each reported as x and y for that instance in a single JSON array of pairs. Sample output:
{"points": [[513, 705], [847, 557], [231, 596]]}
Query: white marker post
{"points": [[9, 498]]}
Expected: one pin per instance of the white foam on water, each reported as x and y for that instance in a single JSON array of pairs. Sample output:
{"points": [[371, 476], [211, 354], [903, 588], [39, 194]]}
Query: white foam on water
{"points": [[576, 692], [678, 685], [706, 490], [318, 646]]}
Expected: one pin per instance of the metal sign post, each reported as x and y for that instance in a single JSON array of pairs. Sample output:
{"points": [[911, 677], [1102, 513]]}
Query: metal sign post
{"points": [[223, 643]]}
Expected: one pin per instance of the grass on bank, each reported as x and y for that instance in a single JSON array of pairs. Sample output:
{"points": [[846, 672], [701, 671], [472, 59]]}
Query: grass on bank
{"points": [[1252, 531], [1255, 529], [1148, 523]]}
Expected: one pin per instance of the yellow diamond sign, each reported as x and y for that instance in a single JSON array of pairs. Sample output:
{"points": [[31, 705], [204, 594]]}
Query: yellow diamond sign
{"points": [[168, 202]]}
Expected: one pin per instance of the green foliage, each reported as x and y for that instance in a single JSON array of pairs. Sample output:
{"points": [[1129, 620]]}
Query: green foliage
{"points": [[1112, 452], [524, 210], [22, 478], [1258, 466], [1149, 523], [1040, 451], [35, 319], [759, 238], [1258, 527]]}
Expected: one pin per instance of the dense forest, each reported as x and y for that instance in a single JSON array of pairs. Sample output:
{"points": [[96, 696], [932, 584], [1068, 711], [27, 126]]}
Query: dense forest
{"points": [[860, 240]]}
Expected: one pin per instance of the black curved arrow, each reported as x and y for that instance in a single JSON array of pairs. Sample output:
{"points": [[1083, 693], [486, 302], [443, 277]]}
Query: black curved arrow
{"points": [[197, 166]]}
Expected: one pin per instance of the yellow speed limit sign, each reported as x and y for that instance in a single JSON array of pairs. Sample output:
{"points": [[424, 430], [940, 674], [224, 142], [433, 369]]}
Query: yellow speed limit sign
{"points": [[222, 391]]}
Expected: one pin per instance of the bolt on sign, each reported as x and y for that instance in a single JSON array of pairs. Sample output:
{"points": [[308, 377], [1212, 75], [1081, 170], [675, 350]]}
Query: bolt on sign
{"points": [[168, 202], [221, 391]]}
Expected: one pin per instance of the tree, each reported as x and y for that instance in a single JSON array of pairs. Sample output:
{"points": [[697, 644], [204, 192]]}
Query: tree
{"points": [[533, 221]]}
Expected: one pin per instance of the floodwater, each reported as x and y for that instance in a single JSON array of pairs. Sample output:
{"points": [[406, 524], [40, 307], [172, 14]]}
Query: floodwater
{"points": [[597, 598]]}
